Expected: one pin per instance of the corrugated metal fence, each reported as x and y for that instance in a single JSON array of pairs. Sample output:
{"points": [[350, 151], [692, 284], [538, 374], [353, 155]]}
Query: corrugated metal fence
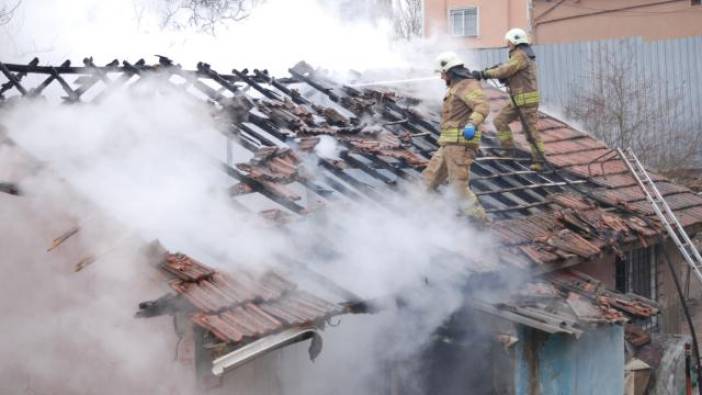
{"points": [[672, 68]]}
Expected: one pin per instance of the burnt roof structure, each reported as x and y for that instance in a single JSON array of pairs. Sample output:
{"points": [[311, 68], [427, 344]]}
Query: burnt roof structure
{"points": [[586, 205]]}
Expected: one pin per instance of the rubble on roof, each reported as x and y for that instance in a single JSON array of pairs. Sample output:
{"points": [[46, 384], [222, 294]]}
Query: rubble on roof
{"points": [[630, 304], [567, 301], [385, 137], [576, 228]]}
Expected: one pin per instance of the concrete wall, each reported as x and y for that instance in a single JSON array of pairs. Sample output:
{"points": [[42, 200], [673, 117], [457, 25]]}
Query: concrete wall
{"points": [[561, 364], [585, 20], [494, 19], [258, 376]]}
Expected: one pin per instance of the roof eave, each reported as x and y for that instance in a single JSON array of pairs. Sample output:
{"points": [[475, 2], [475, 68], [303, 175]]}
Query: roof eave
{"points": [[265, 345]]}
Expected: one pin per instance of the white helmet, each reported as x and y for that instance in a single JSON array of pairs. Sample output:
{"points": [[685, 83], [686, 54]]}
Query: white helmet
{"points": [[446, 61], [517, 36]]}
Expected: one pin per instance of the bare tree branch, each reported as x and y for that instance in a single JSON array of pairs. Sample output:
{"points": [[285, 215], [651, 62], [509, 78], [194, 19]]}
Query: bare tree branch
{"points": [[407, 19], [7, 11], [207, 14], [625, 109]]}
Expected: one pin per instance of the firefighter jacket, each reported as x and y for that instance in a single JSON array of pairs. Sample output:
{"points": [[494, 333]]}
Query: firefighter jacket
{"points": [[465, 102], [520, 73]]}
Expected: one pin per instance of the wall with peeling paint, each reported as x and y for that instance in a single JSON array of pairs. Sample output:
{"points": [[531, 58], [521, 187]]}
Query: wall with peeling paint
{"points": [[561, 364]]}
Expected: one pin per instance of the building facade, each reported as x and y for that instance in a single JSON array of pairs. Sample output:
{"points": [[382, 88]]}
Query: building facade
{"points": [[475, 23], [482, 23]]}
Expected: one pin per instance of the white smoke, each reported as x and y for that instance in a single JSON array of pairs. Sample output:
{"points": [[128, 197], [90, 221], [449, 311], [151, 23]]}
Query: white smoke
{"points": [[327, 148], [145, 165], [276, 35], [150, 166]]}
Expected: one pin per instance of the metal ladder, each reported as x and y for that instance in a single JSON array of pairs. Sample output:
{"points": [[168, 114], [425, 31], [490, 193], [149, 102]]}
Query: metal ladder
{"points": [[663, 211]]}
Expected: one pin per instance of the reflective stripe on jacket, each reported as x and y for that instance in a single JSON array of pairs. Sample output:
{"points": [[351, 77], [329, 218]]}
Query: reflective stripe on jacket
{"points": [[525, 99], [520, 72], [455, 136], [465, 102]]}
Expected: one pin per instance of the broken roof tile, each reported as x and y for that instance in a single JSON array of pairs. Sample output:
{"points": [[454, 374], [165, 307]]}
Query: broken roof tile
{"points": [[243, 306], [382, 132], [570, 242], [185, 267]]}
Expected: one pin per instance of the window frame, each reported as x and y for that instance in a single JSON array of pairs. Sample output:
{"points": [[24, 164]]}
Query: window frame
{"points": [[638, 267], [631, 270], [464, 9]]}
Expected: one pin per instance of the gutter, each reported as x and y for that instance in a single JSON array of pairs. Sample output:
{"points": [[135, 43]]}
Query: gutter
{"points": [[539, 320], [265, 345]]}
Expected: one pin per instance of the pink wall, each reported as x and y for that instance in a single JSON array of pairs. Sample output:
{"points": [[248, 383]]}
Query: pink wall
{"points": [[551, 21], [570, 22], [495, 17]]}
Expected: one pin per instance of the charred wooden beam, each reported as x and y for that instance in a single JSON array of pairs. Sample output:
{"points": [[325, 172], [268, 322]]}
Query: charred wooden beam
{"points": [[14, 80], [243, 75], [9, 188], [263, 189], [40, 88], [293, 94]]}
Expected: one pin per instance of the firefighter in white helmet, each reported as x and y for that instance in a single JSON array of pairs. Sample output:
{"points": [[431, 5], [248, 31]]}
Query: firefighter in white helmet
{"points": [[465, 107], [519, 73]]}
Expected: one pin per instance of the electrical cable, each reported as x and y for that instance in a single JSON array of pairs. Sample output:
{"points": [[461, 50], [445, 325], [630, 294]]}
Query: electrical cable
{"points": [[629, 11]]}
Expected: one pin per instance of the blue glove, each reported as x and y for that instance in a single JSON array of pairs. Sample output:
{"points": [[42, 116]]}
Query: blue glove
{"points": [[469, 131]]}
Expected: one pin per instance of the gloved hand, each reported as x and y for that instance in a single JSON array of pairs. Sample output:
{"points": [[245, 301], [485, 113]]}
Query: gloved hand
{"points": [[478, 75], [469, 131]]}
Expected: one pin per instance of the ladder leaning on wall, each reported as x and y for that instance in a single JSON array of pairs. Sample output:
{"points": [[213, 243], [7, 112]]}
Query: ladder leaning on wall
{"points": [[664, 212]]}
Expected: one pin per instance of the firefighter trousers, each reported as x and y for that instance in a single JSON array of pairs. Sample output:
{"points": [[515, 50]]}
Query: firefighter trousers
{"points": [[452, 162], [509, 114]]}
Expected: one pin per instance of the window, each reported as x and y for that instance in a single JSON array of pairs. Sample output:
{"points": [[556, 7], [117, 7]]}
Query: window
{"points": [[695, 2], [464, 22], [636, 274]]}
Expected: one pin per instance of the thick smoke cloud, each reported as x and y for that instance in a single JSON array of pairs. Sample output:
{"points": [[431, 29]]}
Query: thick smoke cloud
{"points": [[145, 165], [277, 34]]}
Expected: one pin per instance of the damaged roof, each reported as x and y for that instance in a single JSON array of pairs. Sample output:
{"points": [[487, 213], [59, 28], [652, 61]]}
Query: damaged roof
{"points": [[551, 219], [588, 206], [240, 307], [568, 301]]}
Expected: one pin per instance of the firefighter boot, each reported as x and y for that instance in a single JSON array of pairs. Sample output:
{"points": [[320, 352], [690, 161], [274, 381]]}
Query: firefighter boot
{"points": [[473, 210]]}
